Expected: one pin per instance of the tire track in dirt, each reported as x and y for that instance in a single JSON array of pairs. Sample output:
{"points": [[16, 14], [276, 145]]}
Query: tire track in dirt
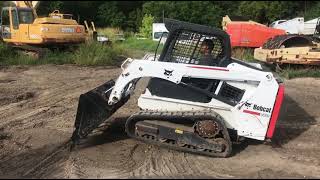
{"points": [[133, 159], [51, 103], [48, 161], [48, 98], [34, 158]]}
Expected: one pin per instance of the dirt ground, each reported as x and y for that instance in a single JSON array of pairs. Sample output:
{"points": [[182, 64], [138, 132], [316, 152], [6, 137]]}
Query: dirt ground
{"points": [[37, 113]]}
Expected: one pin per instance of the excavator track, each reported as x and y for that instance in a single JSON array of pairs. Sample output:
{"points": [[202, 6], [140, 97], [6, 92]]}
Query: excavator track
{"points": [[208, 135], [36, 52], [286, 41]]}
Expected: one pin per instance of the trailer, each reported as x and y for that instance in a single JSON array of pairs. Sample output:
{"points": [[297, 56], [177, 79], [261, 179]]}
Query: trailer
{"points": [[309, 55]]}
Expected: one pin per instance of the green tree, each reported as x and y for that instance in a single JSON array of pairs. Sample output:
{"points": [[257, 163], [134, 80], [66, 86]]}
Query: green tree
{"points": [[229, 7], [55, 5], [157, 9], [268, 11], [146, 27], [128, 14], [134, 20], [313, 12], [255, 10], [109, 15], [203, 12]]}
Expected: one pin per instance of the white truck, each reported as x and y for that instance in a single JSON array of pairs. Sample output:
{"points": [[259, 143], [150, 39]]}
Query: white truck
{"points": [[296, 25], [157, 30]]}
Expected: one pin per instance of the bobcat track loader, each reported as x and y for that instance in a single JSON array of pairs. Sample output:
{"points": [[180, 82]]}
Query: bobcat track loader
{"points": [[187, 106]]}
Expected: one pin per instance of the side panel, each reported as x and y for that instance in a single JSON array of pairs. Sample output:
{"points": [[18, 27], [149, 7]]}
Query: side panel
{"points": [[24, 32], [253, 116], [275, 112], [250, 117], [150, 102], [234, 31]]}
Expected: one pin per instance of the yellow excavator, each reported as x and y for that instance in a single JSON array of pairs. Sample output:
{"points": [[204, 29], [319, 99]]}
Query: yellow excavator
{"points": [[22, 28]]}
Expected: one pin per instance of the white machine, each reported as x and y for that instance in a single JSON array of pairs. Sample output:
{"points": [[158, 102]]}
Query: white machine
{"points": [[296, 26], [187, 105], [158, 30]]}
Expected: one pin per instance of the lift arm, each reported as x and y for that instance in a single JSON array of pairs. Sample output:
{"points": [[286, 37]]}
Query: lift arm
{"points": [[174, 72]]}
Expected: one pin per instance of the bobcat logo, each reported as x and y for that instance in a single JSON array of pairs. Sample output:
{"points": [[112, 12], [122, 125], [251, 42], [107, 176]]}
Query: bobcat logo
{"points": [[248, 104], [167, 72]]}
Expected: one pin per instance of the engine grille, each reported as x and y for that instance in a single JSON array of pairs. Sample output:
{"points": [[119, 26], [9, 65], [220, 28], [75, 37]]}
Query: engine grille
{"points": [[232, 95]]}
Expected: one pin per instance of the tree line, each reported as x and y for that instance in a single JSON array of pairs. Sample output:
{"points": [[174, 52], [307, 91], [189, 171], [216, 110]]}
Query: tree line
{"points": [[128, 15]]}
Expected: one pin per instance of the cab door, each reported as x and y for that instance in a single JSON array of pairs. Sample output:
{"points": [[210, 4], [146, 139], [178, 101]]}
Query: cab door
{"points": [[26, 18], [14, 25], [5, 24]]}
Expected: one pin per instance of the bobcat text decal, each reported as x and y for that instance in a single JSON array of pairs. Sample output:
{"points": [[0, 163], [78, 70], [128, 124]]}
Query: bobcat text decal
{"points": [[264, 111], [261, 108]]}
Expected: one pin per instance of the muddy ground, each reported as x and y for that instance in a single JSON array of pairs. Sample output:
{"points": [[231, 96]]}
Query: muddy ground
{"points": [[37, 112]]}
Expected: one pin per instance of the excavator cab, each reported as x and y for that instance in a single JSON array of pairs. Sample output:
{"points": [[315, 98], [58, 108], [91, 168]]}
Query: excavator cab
{"points": [[14, 20], [5, 24]]}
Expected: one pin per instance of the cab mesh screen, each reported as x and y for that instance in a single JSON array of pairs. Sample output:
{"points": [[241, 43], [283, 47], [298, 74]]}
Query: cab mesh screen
{"points": [[187, 44]]}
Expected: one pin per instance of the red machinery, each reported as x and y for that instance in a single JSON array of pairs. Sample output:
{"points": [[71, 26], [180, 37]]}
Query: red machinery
{"points": [[248, 33]]}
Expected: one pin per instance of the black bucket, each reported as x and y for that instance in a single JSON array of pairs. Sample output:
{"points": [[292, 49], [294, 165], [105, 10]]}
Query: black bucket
{"points": [[93, 109]]}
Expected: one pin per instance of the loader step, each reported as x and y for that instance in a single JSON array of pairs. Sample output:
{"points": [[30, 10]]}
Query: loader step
{"points": [[162, 129]]}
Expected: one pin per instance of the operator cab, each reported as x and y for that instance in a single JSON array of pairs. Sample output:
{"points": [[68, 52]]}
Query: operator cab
{"points": [[183, 45], [14, 16], [186, 41]]}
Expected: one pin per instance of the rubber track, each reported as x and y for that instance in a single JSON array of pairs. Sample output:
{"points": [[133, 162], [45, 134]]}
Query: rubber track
{"points": [[156, 115]]}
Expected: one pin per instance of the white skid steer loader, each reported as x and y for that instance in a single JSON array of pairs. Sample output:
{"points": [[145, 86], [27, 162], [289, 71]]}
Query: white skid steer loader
{"points": [[189, 106]]}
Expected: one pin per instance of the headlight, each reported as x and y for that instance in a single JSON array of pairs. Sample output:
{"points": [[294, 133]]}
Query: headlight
{"points": [[44, 29]]}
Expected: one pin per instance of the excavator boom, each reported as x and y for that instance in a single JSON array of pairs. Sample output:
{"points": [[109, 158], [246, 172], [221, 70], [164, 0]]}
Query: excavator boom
{"points": [[28, 4]]}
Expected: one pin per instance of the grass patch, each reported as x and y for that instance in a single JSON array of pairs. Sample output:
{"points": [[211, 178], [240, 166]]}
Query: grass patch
{"points": [[97, 54], [89, 54], [298, 72], [245, 54]]}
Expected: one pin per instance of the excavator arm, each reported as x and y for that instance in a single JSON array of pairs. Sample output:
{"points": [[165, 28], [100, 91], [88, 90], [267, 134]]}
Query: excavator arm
{"points": [[28, 4]]}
